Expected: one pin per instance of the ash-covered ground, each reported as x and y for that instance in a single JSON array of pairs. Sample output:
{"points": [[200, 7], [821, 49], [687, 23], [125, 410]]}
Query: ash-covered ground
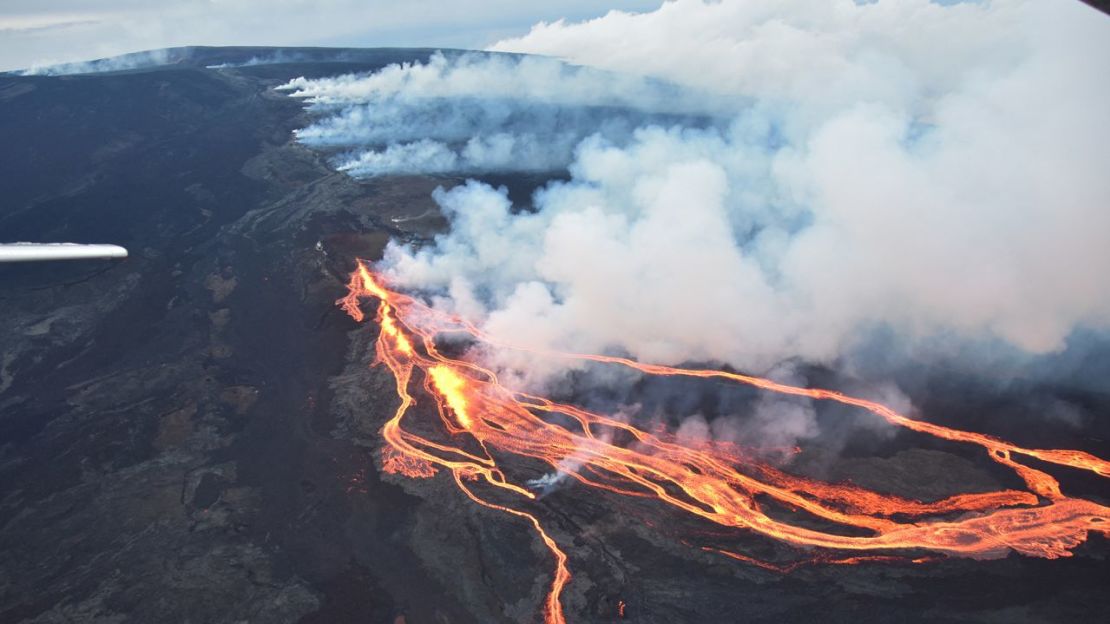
{"points": [[191, 435]]}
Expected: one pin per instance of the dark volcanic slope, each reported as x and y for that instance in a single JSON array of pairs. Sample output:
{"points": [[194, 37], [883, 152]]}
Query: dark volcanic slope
{"points": [[190, 435], [168, 448]]}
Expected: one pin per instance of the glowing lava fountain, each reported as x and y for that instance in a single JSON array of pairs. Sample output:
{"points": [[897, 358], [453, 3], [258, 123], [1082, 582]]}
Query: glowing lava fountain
{"points": [[481, 420]]}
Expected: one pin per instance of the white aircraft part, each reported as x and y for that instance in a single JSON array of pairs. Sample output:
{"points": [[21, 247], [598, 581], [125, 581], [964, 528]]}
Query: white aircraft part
{"points": [[28, 252]]}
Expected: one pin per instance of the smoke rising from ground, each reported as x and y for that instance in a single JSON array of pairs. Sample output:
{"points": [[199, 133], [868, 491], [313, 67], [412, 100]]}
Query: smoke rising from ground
{"points": [[933, 171], [136, 60], [480, 112]]}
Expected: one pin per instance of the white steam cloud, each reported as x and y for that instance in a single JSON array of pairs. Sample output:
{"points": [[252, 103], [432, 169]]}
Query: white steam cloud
{"points": [[281, 56], [480, 112], [936, 170]]}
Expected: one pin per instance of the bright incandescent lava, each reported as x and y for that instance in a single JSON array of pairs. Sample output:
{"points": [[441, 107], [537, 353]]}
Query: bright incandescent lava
{"points": [[481, 420]]}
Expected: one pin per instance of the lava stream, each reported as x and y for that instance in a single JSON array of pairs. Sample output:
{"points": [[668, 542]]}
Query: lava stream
{"points": [[481, 418]]}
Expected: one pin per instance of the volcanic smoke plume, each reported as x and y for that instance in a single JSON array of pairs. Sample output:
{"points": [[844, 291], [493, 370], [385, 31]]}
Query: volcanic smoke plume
{"points": [[768, 187], [780, 185]]}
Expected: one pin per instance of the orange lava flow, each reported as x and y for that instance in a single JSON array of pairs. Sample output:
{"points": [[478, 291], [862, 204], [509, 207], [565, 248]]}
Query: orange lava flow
{"points": [[481, 421]]}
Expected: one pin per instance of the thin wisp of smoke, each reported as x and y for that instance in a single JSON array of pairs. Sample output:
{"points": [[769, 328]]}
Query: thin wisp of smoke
{"points": [[123, 62]]}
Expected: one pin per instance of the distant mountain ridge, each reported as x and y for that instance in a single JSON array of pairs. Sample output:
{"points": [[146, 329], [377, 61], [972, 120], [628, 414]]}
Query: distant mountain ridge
{"points": [[217, 57]]}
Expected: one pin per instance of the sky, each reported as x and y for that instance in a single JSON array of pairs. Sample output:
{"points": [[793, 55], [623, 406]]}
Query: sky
{"points": [[40, 32]]}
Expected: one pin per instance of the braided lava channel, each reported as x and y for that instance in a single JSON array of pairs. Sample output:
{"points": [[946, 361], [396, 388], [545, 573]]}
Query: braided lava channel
{"points": [[480, 419]]}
